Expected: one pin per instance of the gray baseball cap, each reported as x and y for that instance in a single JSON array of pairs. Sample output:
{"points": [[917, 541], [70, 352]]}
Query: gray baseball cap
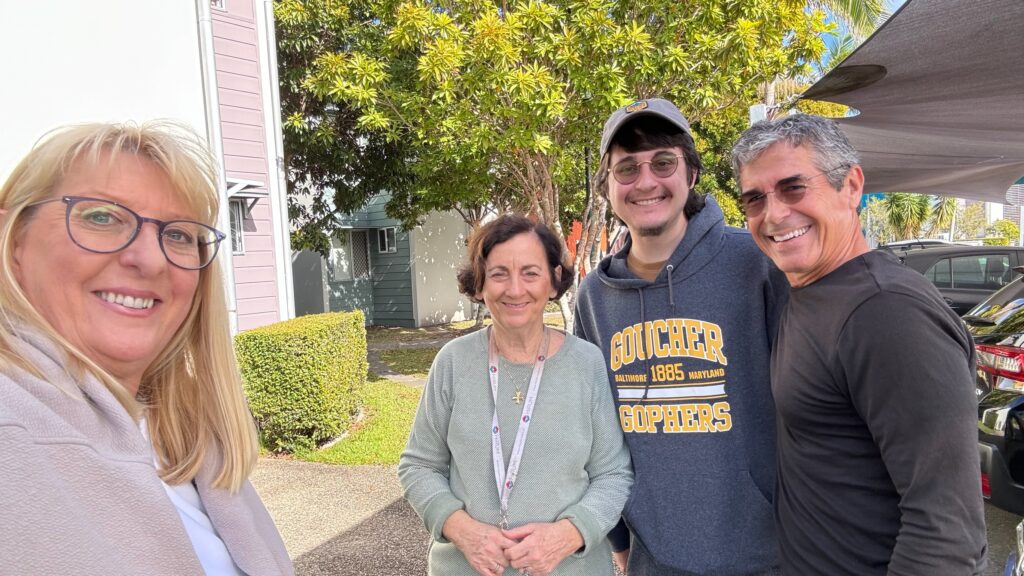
{"points": [[651, 107]]}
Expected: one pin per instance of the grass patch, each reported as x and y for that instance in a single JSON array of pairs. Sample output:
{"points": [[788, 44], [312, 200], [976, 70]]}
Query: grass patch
{"points": [[383, 335], [408, 361], [551, 318], [380, 436]]}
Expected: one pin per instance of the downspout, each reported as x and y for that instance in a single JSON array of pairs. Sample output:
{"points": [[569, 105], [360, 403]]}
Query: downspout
{"points": [[412, 237], [213, 134], [277, 184]]}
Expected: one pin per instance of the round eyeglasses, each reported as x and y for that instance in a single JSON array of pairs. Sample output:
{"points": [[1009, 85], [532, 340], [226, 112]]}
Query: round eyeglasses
{"points": [[104, 227], [662, 166]]}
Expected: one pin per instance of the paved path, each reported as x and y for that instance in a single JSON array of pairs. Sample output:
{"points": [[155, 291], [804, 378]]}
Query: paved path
{"points": [[346, 520], [343, 520]]}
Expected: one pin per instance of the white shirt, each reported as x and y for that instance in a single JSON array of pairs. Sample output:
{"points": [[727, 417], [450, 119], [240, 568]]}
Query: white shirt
{"points": [[210, 549]]}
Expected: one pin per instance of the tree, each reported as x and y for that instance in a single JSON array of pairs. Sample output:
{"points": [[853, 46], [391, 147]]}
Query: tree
{"points": [[860, 17], [1006, 231], [856, 19], [502, 104], [903, 216], [332, 167], [906, 214], [970, 221], [943, 215], [873, 222]]}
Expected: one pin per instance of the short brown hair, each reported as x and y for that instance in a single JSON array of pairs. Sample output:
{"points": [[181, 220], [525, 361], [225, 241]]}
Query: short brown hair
{"points": [[648, 133], [484, 239]]}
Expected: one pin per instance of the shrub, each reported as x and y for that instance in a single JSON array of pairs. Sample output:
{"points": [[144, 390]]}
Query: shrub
{"points": [[304, 377]]}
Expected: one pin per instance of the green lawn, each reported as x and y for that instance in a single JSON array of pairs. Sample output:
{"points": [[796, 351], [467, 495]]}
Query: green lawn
{"points": [[380, 436], [409, 361], [389, 407]]}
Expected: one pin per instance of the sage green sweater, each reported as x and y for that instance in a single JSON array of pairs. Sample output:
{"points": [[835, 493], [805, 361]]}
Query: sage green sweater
{"points": [[575, 464]]}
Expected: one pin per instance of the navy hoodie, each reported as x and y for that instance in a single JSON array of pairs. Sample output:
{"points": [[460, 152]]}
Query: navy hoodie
{"points": [[688, 361]]}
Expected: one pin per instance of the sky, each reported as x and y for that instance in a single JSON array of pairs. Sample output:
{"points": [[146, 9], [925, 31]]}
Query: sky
{"points": [[891, 7]]}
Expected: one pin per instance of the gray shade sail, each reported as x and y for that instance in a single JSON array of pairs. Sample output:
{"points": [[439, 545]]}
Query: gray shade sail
{"points": [[940, 91]]}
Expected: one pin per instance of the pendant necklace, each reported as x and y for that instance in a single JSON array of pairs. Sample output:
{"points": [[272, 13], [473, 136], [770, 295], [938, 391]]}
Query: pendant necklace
{"points": [[518, 397]]}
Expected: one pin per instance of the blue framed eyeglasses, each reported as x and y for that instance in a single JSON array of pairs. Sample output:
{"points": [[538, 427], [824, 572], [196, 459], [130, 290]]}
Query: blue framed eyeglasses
{"points": [[105, 227]]}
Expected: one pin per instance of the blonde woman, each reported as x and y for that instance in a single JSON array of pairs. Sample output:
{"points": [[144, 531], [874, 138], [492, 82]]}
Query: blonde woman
{"points": [[125, 439]]}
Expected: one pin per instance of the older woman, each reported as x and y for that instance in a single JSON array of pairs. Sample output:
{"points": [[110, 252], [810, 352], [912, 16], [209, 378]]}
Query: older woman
{"points": [[125, 440], [516, 460]]}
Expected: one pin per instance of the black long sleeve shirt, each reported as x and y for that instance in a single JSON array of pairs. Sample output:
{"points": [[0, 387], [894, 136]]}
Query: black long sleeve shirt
{"points": [[878, 466]]}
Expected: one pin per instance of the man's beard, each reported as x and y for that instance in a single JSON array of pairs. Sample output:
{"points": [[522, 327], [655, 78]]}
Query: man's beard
{"points": [[652, 230]]}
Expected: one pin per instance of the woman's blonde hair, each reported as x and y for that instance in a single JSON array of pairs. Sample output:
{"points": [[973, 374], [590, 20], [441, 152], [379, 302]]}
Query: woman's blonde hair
{"points": [[192, 393]]}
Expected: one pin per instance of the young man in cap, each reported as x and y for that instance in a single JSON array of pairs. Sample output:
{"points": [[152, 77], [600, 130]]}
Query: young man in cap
{"points": [[872, 375], [685, 314]]}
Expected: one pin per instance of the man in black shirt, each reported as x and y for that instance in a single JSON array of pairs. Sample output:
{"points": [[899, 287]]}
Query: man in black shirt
{"points": [[878, 469]]}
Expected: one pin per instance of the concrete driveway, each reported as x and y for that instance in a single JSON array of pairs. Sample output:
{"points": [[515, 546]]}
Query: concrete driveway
{"points": [[343, 520]]}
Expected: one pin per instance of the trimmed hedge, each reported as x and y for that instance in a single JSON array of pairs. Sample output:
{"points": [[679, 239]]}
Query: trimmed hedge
{"points": [[304, 377]]}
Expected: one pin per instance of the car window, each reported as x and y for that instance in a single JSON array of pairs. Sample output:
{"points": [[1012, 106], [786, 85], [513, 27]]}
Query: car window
{"points": [[1005, 310], [939, 274], [978, 271]]}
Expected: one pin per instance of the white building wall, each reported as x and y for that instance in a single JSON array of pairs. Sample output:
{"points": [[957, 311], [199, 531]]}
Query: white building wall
{"points": [[438, 250], [68, 61], [993, 212]]}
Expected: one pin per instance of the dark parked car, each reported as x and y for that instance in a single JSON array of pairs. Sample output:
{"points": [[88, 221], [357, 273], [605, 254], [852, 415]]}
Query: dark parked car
{"points": [[997, 325], [917, 243], [964, 275]]}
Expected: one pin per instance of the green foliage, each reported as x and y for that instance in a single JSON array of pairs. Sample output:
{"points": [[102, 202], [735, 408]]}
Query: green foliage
{"points": [[821, 108], [943, 214], [902, 216], [1002, 233], [970, 221], [995, 241], [906, 213], [381, 436], [861, 16], [304, 377], [499, 105], [873, 222], [335, 157]]}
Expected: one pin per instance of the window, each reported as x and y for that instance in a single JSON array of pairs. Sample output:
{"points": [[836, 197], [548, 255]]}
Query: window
{"points": [[237, 211], [939, 274], [350, 258], [218, 4], [979, 272], [386, 240]]}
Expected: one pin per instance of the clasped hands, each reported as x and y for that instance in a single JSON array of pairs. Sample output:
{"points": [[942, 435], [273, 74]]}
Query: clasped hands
{"points": [[535, 549]]}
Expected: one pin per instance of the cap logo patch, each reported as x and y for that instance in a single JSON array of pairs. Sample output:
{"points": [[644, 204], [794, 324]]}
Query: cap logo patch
{"points": [[636, 107]]}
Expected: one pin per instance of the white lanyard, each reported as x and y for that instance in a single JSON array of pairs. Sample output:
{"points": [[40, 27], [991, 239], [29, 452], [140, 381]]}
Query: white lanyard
{"points": [[505, 481]]}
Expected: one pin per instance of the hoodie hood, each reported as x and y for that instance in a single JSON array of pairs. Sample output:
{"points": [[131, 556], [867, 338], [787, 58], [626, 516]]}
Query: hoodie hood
{"points": [[703, 240]]}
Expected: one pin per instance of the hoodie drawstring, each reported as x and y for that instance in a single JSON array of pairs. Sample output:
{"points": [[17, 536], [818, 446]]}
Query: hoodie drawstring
{"points": [[647, 366], [671, 297]]}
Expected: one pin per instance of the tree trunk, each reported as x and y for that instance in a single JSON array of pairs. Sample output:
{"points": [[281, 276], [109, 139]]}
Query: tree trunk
{"points": [[566, 304], [479, 313]]}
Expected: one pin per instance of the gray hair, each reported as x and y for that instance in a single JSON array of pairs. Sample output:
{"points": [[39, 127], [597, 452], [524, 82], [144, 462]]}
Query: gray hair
{"points": [[830, 150]]}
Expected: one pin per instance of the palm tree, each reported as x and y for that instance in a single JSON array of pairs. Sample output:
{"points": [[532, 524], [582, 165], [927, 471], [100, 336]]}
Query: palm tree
{"points": [[859, 17], [943, 215], [906, 214]]}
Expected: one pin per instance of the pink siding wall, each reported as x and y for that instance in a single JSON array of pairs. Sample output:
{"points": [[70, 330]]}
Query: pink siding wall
{"points": [[245, 156]]}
